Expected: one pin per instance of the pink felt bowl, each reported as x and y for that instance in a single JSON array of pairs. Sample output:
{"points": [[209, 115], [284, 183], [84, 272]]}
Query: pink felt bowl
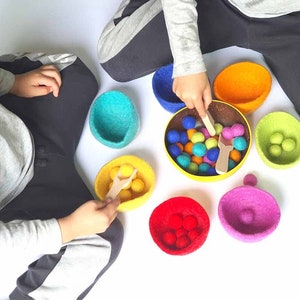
{"points": [[248, 214], [188, 234]]}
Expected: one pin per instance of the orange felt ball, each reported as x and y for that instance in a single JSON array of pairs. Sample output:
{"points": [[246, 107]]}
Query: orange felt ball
{"points": [[235, 155], [190, 132], [197, 159], [180, 146], [188, 148]]}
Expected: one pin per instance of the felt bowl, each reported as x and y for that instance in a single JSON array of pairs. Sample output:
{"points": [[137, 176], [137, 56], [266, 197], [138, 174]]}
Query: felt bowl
{"points": [[113, 119], [145, 173], [275, 129], [245, 85], [222, 113], [248, 213], [179, 225], [162, 82]]}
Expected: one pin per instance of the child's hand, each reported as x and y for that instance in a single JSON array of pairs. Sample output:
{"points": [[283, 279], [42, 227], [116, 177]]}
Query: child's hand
{"points": [[38, 82], [92, 217], [194, 90]]}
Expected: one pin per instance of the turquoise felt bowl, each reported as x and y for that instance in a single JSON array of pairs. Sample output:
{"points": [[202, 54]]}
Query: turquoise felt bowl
{"points": [[113, 119]]}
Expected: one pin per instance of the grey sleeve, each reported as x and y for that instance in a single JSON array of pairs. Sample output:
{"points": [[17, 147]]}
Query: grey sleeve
{"points": [[36, 237], [7, 80]]}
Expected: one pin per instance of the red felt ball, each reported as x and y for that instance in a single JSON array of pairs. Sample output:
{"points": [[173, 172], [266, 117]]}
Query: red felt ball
{"points": [[193, 234], [182, 242], [169, 238], [180, 232], [190, 222], [175, 221]]}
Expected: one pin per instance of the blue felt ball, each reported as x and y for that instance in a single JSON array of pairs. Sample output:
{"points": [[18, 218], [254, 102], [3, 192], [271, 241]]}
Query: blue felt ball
{"points": [[240, 143], [188, 122], [174, 150], [183, 137], [183, 160], [211, 171], [203, 168], [231, 164], [213, 153], [173, 136], [199, 149]]}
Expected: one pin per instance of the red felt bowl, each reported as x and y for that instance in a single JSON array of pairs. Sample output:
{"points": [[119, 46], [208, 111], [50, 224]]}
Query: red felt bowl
{"points": [[179, 225]]}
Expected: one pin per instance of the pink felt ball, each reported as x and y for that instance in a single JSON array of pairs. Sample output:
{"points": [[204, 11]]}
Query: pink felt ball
{"points": [[205, 132], [169, 238], [250, 179], [190, 222], [175, 221], [227, 133], [182, 242], [238, 129]]}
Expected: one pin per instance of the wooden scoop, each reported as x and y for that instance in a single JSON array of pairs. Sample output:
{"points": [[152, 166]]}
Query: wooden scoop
{"points": [[225, 147], [209, 123], [119, 183]]}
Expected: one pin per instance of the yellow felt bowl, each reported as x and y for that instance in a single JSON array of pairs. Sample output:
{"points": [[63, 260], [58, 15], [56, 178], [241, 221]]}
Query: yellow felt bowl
{"points": [[145, 172], [289, 127], [223, 113], [245, 85]]}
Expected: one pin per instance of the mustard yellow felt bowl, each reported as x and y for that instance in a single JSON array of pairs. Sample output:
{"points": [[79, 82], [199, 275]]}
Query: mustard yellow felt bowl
{"points": [[177, 150], [245, 85], [145, 172], [277, 139]]}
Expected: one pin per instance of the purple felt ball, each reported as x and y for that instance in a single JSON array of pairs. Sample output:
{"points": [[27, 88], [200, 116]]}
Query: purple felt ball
{"points": [[250, 179], [188, 122], [238, 129], [173, 136], [227, 133], [212, 154], [205, 133]]}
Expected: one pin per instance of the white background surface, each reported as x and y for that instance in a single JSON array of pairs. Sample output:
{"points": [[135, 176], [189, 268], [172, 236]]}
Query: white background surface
{"points": [[223, 268]]}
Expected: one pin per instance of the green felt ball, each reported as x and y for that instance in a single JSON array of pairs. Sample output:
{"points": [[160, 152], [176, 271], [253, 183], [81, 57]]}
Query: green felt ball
{"points": [[276, 138], [275, 150], [218, 128], [288, 144], [193, 168], [197, 137]]}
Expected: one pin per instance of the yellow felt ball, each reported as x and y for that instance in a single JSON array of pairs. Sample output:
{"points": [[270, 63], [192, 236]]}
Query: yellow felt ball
{"points": [[137, 185], [125, 195], [113, 172], [126, 170]]}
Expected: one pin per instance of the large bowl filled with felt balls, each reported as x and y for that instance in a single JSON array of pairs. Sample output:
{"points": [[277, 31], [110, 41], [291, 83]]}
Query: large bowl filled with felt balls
{"points": [[195, 153], [134, 194], [113, 119], [248, 213], [245, 85], [179, 225], [277, 140]]}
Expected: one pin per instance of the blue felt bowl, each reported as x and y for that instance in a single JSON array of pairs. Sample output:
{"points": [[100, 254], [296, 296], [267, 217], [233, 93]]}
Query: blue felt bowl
{"points": [[113, 119], [162, 88]]}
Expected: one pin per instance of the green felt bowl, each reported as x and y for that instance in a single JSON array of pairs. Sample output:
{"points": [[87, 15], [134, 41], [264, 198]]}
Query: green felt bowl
{"points": [[289, 127]]}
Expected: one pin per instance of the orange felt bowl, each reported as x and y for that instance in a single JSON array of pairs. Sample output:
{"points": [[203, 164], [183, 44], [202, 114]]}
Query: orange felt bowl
{"points": [[245, 85]]}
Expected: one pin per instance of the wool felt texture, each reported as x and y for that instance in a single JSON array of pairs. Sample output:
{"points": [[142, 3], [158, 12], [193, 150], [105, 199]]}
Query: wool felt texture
{"points": [[183, 207], [249, 214], [289, 127], [114, 120]]}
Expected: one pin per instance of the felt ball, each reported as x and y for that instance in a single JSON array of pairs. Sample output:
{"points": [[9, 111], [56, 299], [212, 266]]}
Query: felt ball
{"points": [[238, 129], [175, 221], [240, 143], [113, 172], [174, 150], [180, 146], [227, 133], [231, 164], [203, 168], [182, 242], [188, 122], [211, 143], [275, 150], [190, 132], [192, 168], [173, 136], [250, 179], [196, 159], [235, 155], [213, 154], [169, 238], [125, 195], [197, 137], [193, 234], [288, 144], [180, 232], [190, 222], [188, 148], [183, 160], [126, 170], [183, 137], [218, 128], [276, 138], [211, 171], [199, 149], [205, 132], [207, 160], [137, 185]]}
